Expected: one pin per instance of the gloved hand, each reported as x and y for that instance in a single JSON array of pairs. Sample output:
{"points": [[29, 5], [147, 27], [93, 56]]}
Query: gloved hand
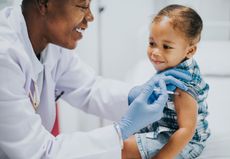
{"points": [[172, 77], [141, 112], [179, 74]]}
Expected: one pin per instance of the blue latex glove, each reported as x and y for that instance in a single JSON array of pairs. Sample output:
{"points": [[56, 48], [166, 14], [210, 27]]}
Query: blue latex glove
{"points": [[142, 112], [182, 75], [172, 77]]}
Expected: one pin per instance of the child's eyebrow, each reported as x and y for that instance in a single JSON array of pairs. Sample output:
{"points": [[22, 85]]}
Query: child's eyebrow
{"points": [[167, 41], [151, 39]]}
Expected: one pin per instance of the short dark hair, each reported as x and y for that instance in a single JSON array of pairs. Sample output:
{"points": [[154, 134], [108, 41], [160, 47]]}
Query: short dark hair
{"points": [[183, 18], [25, 2]]}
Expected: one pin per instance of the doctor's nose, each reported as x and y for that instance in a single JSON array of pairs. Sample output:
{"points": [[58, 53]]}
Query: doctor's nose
{"points": [[89, 16]]}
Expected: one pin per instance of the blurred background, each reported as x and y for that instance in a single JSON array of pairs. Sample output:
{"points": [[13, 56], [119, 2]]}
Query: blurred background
{"points": [[115, 46]]}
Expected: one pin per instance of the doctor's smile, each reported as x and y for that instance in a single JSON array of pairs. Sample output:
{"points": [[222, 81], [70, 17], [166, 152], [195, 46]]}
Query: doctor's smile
{"points": [[79, 32]]}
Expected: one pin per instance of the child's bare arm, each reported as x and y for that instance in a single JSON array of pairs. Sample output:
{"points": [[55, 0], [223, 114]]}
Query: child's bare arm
{"points": [[130, 150], [186, 109]]}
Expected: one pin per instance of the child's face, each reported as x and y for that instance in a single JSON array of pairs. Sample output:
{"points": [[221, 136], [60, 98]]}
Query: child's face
{"points": [[167, 46]]}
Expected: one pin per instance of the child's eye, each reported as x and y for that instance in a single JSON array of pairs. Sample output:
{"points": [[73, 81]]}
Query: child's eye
{"points": [[167, 47], [152, 44]]}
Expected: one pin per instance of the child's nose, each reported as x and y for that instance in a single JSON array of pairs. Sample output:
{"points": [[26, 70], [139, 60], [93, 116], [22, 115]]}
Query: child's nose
{"points": [[155, 52]]}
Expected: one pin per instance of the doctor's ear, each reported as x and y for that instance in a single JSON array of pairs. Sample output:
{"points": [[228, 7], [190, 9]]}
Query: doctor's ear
{"points": [[191, 51], [42, 6]]}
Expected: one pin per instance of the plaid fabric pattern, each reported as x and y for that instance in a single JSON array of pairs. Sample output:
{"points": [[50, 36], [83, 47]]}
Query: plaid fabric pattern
{"points": [[199, 90]]}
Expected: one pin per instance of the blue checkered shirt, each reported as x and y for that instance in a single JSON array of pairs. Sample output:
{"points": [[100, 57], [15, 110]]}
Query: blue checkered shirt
{"points": [[198, 88]]}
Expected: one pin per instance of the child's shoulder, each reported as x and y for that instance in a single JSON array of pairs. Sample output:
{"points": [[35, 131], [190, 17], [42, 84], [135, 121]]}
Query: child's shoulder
{"points": [[197, 86]]}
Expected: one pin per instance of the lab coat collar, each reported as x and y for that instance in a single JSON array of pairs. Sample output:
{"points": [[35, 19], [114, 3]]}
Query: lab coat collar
{"points": [[19, 25], [50, 54]]}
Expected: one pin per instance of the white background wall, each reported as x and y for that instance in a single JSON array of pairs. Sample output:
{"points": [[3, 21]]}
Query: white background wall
{"points": [[117, 40]]}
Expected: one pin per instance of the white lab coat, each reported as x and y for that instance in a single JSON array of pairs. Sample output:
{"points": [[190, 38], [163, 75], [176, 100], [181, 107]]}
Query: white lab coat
{"points": [[24, 132]]}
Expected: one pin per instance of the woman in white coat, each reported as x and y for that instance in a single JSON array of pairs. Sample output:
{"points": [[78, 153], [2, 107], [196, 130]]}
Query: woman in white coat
{"points": [[37, 63]]}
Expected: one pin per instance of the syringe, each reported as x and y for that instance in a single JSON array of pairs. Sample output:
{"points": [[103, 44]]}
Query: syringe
{"points": [[169, 92]]}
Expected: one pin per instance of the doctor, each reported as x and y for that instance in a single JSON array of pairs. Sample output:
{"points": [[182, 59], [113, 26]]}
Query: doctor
{"points": [[38, 62]]}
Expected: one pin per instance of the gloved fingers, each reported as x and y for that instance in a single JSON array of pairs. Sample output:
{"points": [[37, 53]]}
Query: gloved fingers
{"points": [[171, 87], [147, 90], [176, 82], [134, 92], [163, 97], [178, 73], [153, 97], [162, 86]]}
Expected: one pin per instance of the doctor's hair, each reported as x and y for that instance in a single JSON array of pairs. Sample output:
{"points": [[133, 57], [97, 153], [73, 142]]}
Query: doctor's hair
{"points": [[26, 2], [183, 19]]}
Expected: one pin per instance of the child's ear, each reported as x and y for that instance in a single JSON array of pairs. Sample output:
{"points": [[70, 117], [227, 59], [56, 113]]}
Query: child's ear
{"points": [[191, 51]]}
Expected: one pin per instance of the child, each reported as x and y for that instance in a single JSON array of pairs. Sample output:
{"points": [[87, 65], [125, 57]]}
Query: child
{"points": [[183, 129]]}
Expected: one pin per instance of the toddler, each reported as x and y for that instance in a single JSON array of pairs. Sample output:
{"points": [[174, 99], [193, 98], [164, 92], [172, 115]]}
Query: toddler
{"points": [[183, 129]]}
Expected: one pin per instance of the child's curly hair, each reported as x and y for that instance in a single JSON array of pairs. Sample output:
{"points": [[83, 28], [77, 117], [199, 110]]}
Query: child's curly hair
{"points": [[183, 19]]}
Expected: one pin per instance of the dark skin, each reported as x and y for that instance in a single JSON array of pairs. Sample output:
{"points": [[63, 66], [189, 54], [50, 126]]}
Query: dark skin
{"points": [[56, 22], [60, 22]]}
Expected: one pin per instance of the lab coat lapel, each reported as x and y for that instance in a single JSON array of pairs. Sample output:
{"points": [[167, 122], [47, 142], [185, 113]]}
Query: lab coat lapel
{"points": [[18, 20], [46, 108]]}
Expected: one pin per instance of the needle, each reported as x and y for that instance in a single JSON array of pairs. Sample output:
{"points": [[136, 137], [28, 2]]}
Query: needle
{"points": [[169, 92]]}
